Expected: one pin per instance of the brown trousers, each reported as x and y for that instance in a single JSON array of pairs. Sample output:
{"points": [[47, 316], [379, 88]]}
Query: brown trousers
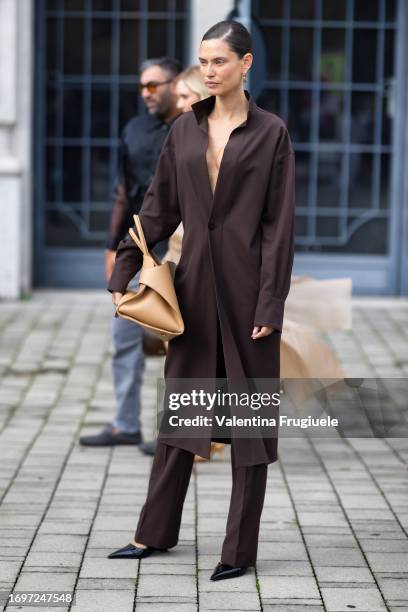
{"points": [[160, 518]]}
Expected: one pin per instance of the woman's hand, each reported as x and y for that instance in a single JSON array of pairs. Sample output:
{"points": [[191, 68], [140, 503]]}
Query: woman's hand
{"points": [[261, 332], [116, 296]]}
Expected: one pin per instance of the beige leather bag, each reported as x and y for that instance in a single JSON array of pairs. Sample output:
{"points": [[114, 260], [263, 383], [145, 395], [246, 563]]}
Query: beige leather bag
{"points": [[154, 306]]}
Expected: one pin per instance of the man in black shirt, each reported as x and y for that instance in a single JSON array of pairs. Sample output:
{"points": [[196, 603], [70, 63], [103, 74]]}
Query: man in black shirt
{"points": [[140, 146]]}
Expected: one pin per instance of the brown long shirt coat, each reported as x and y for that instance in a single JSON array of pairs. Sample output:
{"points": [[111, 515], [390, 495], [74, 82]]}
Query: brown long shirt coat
{"points": [[237, 251]]}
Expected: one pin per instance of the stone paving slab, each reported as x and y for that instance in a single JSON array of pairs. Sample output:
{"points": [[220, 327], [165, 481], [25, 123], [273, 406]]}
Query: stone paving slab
{"points": [[334, 526]]}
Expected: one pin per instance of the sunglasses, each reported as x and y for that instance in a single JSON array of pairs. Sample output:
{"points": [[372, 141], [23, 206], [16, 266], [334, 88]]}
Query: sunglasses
{"points": [[152, 86]]}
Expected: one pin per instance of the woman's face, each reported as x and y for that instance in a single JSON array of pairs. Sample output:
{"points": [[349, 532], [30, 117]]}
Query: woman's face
{"points": [[221, 69], [185, 97]]}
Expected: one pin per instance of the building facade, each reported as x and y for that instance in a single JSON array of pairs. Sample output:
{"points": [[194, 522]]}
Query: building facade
{"points": [[336, 72]]}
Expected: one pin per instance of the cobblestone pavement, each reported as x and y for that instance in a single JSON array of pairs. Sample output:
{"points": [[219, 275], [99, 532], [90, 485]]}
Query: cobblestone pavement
{"points": [[334, 525]]}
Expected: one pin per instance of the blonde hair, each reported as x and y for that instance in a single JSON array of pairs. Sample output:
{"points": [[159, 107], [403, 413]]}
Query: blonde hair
{"points": [[192, 78]]}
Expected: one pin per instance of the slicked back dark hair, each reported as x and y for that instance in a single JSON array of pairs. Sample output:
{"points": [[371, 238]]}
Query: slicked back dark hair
{"points": [[235, 35], [170, 65]]}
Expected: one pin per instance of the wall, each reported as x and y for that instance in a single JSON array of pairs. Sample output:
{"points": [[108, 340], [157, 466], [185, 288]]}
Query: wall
{"points": [[16, 69], [203, 16]]}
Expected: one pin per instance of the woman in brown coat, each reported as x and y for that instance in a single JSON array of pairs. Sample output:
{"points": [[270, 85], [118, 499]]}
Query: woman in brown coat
{"points": [[227, 172]]}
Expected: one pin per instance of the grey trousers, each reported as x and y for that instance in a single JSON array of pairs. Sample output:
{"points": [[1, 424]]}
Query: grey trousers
{"points": [[128, 366], [128, 363]]}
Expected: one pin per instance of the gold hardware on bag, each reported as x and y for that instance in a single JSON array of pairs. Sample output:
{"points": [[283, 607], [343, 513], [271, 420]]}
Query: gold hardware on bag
{"points": [[154, 306]]}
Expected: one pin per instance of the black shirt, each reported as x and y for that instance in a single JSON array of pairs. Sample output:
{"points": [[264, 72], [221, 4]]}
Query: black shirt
{"points": [[140, 145]]}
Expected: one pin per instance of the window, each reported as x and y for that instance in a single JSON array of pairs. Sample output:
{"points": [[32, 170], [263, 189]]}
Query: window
{"points": [[88, 71], [330, 77]]}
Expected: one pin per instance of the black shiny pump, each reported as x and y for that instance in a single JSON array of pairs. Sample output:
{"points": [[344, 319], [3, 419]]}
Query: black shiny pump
{"points": [[223, 571], [130, 551]]}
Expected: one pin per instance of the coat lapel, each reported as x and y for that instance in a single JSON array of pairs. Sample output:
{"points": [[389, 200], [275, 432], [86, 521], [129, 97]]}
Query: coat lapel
{"points": [[201, 183]]}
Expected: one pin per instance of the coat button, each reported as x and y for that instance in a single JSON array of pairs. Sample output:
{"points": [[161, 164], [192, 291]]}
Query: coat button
{"points": [[211, 226]]}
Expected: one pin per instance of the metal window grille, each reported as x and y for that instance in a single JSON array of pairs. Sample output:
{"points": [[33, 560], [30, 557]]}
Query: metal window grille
{"points": [[89, 52], [331, 77]]}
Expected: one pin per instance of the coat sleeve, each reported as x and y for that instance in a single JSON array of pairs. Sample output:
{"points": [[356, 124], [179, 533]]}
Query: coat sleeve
{"points": [[119, 215], [277, 226], [159, 216]]}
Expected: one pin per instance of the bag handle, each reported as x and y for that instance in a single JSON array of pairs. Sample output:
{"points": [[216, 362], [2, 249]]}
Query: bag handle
{"points": [[139, 228], [136, 239], [141, 240]]}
